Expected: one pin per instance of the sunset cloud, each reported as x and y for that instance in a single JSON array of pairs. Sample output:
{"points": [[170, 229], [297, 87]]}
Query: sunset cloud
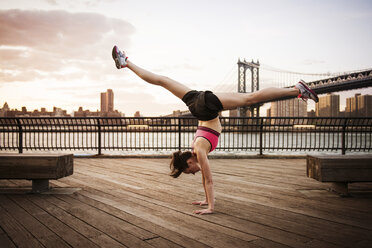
{"points": [[57, 45]]}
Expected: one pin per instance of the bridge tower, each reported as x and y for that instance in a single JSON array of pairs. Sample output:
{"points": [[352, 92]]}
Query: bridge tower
{"points": [[243, 66]]}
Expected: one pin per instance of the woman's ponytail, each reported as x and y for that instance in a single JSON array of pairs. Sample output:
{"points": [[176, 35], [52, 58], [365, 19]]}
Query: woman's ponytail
{"points": [[179, 163]]}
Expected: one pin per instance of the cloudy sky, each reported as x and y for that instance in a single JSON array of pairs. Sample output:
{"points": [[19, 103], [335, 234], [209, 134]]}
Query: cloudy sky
{"points": [[58, 52]]}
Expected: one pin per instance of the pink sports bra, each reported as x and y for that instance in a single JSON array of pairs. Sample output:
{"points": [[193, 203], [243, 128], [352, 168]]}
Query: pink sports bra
{"points": [[209, 134]]}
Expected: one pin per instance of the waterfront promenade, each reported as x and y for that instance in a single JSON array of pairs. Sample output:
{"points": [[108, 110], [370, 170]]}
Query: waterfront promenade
{"points": [[132, 202]]}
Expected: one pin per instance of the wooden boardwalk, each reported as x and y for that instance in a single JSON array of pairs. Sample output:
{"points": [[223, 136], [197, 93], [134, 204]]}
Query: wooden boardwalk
{"points": [[134, 203]]}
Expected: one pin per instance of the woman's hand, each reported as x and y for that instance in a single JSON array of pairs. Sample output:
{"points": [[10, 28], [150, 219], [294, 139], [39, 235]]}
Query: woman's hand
{"points": [[201, 203], [203, 211]]}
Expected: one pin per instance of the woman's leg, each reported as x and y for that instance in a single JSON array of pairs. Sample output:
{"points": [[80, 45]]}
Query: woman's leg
{"points": [[173, 86], [234, 100]]}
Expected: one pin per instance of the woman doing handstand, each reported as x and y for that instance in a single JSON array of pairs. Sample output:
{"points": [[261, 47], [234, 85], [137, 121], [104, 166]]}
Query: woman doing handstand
{"points": [[205, 106]]}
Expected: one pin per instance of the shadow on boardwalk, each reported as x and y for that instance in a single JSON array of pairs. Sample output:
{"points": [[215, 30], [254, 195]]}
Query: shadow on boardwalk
{"points": [[134, 203]]}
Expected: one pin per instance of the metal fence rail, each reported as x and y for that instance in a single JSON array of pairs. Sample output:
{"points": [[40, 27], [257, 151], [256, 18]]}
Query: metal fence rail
{"points": [[173, 133]]}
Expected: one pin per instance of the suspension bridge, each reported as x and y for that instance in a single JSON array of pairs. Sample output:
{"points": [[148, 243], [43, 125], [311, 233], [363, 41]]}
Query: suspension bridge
{"points": [[247, 77]]}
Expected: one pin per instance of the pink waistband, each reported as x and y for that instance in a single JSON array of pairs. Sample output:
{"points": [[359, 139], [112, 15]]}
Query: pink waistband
{"points": [[209, 134]]}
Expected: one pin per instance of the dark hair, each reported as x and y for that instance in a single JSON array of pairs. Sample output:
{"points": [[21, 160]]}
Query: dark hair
{"points": [[179, 163]]}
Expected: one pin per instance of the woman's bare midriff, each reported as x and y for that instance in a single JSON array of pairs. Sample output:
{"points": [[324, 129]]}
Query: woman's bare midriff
{"points": [[214, 124]]}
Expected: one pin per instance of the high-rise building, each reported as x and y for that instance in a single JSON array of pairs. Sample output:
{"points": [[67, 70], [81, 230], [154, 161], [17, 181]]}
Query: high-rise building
{"points": [[104, 107], [289, 108], [110, 100], [359, 106], [328, 106], [365, 105], [107, 101], [351, 106]]}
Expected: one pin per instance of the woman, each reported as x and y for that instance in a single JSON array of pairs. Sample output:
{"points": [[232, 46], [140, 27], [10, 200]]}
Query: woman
{"points": [[205, 106]]}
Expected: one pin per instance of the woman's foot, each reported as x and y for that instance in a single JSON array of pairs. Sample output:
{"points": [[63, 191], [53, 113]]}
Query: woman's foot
{"points": [[119, 58], [306, 92]]}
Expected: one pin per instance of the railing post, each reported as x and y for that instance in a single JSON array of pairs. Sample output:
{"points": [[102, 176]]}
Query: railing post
{"points": [[261, 134], [20, 136], [343, 140], [99, 137], [179, 133]]}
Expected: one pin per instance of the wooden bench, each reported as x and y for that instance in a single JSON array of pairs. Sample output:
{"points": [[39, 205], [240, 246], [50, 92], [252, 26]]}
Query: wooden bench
{"points": [[340, 170], [36, 167]]}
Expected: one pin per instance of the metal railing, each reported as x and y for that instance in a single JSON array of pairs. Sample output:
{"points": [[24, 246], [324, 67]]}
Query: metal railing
{"points": [[260, 135]]}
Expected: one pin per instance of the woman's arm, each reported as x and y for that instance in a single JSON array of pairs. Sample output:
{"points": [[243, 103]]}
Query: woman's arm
{"points": [[204, 202], [207, 182]]}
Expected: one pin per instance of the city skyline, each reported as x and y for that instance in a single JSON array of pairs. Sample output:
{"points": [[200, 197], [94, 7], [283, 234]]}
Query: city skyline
{"points": [[59, 52], [328, 106]]}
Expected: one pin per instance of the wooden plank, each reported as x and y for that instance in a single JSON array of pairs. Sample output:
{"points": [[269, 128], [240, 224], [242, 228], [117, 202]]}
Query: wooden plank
{"points": [[363, 244], [177, 222], [313, 228], [300, 206], [346, 175], [35, 155], [259, 197], [329, 210], [141, 222], [5, 241], [150, 168], [104, 240], [355, 157], [16, 232], [96, 236], [243, 225], [284, 213], [5, 183], [162, 243], [307, 183], [137, 209], [31, 166], [321, 244], [18, 183], [264, 243], [247, 185], [238, 235], [120, 230], [311, 205], [340, 168], [46, 237], [283, 225], [233, 178], [69, 235]]}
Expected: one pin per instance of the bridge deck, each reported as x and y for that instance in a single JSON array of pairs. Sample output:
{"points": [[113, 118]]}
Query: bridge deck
{"points": [[134, 203]]}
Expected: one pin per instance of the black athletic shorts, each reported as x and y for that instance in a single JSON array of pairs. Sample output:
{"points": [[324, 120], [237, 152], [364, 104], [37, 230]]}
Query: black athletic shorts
{"points": [[204, 105]]}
